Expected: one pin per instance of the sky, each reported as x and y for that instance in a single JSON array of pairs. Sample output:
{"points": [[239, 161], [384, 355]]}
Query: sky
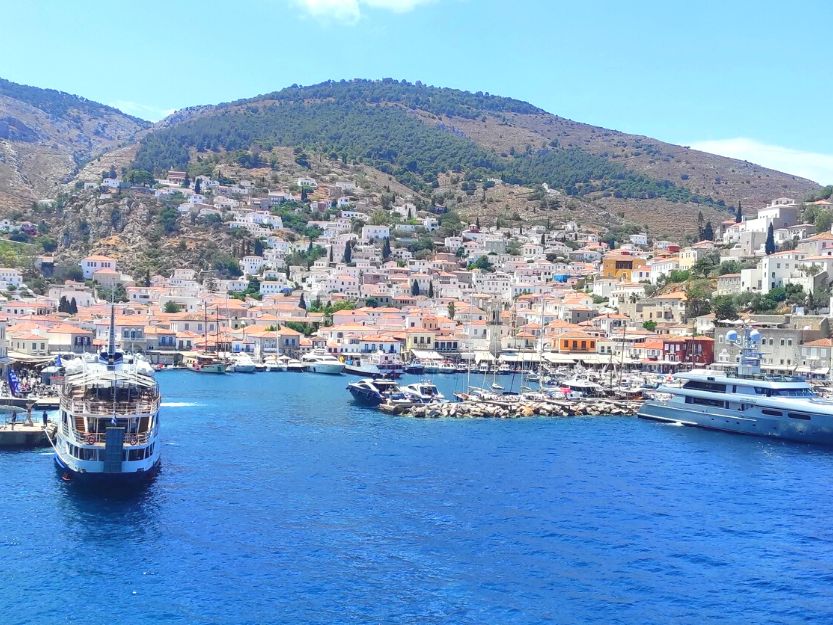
{"points": [[747, 79]]}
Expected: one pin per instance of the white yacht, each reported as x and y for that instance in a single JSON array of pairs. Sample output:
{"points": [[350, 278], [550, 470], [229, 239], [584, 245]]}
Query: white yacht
{"points": [[319, 361], [243, 363], [109, 419], [423, 392], [746, 402]]}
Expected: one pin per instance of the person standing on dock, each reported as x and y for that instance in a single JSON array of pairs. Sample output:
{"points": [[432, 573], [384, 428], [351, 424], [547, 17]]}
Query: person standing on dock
{"points": [[44, 418]]}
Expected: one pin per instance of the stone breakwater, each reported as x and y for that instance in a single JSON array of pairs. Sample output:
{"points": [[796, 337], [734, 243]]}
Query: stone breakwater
{"points": [[524, 408]]}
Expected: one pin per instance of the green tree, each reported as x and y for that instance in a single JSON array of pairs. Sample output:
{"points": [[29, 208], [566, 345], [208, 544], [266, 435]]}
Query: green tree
{"points": [[649, 325], [431, 290], [197, 186], [769, 246], [724, 308], [708, 232], [385, 248], [738, 214], [302, 303], [347, 258], [452, 310], [172, 307], [414, 288]]}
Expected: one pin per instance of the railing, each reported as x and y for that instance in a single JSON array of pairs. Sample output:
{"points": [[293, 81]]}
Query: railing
{"points": [[80, 407], [93, 438]]}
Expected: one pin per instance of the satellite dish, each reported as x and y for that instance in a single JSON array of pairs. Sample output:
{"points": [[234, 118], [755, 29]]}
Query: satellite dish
{"points": [[755, 336], [731, 336]]}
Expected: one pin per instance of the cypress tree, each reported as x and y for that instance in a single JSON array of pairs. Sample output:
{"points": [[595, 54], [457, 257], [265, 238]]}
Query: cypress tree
{"points": [[708, 232], [769, 246], [348, 253], [738, 214], [431, 290], [385, 249], [414, 288], [302, 302]]}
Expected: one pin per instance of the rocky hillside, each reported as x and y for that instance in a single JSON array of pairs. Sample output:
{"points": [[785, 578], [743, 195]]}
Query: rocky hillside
{"points": [[422, 135], [45, 135]]}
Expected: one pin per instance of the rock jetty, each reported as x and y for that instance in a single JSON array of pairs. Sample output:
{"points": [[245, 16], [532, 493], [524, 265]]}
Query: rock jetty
{"points": [[511, 410]]}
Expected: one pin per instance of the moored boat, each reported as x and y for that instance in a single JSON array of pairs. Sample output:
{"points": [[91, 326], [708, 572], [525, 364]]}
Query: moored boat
{"points": [[319, 361]]}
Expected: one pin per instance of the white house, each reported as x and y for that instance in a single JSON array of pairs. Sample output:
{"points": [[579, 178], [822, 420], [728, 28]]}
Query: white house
{"points": [[91, 264]]}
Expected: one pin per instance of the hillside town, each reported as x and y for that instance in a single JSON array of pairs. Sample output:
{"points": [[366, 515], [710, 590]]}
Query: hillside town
{"points": [[521, 296]]}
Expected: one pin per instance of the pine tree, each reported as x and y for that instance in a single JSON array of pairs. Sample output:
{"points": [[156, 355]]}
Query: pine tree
{"points": [[738, 214], [769, 246], [414, 288], [431, 290]]}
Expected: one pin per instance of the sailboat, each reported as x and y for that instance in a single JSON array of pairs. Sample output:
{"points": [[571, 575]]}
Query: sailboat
{"points": [[205, 361]]}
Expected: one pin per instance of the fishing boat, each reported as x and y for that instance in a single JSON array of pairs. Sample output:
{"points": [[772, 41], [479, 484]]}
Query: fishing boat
{"points": [[109, 418], [374, 391], [319, 361], [415, 368]]}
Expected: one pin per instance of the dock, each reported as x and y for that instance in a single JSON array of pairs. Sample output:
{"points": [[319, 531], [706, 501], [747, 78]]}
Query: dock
{"points": [[26, 435], [38, 403], [498, 409]]}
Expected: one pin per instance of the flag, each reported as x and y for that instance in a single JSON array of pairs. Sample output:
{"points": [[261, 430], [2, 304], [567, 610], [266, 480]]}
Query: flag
{"points": [[14, 382]]}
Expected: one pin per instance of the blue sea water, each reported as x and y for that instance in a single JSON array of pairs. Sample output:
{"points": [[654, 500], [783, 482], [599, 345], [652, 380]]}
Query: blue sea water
{"points": [[280, 501]]}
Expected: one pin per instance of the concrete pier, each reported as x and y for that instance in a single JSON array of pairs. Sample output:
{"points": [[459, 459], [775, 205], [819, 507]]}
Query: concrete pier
{"points": [[21, 436]]}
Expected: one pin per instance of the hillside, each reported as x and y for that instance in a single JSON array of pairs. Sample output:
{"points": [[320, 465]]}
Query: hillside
{"points": [[45, 135], [419, 134]]}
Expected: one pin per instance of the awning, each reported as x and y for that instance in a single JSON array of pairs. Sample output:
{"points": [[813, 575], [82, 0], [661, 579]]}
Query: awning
{"points": [[29, 360], [803, 370], [822, 371], [483, 357], [426, 354], [524, 357]]}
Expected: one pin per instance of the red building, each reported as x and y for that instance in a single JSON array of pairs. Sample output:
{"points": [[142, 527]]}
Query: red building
{"points": [[697, 351]]}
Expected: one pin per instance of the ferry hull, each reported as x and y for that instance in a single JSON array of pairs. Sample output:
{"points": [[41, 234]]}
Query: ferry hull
{"points": [[122, 479], [818, 430]]}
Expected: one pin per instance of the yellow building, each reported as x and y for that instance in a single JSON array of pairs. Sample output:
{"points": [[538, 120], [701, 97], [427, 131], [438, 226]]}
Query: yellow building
{"points": [[621, 266]]}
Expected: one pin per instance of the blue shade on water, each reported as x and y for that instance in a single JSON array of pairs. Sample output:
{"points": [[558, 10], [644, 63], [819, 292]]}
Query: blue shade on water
{"points": [[280, 501]]}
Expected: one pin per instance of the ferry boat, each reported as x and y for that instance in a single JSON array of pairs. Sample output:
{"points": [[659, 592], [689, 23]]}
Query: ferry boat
{"points": [[319, 361], [746, 402], [374, 391], [109, 418]]}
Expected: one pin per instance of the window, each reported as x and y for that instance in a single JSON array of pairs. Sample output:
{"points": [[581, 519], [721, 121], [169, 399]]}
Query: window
{"points": [[798, 415], [772, 413]]}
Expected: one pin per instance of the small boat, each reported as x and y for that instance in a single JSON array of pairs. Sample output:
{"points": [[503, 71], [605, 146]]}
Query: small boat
{"points": [[422, 392], [415, 368], [461, 368], [504, 369], [483, 367], [446, 367], [319, 361], [372, 392]]}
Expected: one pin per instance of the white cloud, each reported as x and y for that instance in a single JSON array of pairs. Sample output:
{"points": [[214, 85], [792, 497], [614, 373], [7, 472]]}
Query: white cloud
{"points": [[350, 11], [813, 165], [144, 111]]}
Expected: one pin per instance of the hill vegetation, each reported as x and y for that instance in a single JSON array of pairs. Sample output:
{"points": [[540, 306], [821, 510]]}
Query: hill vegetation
{"points": [[372, 123]]}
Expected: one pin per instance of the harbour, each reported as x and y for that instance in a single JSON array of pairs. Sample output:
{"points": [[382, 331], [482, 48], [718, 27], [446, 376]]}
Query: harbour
{"points": [[314, 506]]}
